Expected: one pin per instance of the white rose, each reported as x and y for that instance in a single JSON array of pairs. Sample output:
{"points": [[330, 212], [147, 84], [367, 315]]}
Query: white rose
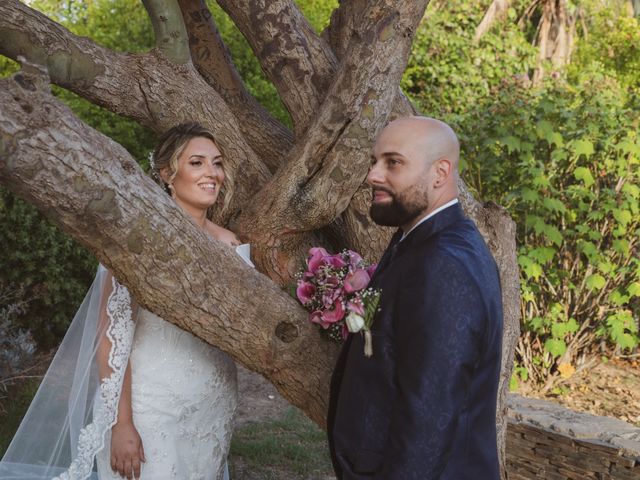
{"points": [[354, 322]]}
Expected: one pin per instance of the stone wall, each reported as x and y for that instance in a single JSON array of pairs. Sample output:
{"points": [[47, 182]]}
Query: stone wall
{"points": [[548, 441]]}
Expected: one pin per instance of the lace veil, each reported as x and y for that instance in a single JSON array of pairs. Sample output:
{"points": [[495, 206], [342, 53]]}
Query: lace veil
{"points": [[77, 401]]}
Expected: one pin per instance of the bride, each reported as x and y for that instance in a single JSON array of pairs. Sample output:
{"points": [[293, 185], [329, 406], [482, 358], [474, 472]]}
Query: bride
{"points": [[142, 397]]}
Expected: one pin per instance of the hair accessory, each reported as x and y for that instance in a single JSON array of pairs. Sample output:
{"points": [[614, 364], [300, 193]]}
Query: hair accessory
{"points": [[152, 161]]}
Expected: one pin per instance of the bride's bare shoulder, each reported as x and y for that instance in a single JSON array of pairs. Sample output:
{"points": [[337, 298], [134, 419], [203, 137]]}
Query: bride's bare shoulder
{"points": [[222, 234]]}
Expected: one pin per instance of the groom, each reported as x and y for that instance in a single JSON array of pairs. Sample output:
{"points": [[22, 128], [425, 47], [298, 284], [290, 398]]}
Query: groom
{"points": [[424, 405]]}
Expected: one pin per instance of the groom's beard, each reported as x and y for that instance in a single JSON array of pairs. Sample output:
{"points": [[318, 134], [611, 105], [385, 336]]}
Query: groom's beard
{"points": [[403, 208]]}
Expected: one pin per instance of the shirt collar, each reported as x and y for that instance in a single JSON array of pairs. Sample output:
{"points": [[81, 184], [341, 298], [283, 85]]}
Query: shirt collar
{"points": [[429, 215]]}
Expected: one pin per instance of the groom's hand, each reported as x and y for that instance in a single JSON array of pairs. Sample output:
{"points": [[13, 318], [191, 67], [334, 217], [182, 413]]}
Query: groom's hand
{"points": [[126, 450]]}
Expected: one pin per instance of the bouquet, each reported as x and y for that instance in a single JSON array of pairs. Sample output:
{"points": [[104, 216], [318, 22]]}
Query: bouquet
{"points": [[334, 288]]}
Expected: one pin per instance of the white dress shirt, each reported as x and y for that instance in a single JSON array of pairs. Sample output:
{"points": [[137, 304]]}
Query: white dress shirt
{"points": [[429, 215]]}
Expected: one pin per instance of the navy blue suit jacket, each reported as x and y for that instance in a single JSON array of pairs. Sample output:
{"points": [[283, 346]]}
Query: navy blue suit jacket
{"points": [[424, 405]]}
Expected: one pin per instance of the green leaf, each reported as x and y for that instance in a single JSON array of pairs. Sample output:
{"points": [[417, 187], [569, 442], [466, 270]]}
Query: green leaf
{"points": [[634, 289], [584, 174], [583, 147], [513, 382], [530, 268], [553, 234], [621, 246], [512, 143], [617, 298], [554, 138], [559, 330], [554, 204], [622, 216], [529, 195], [542, 254], [631, 190], [555, 347], [595, 281], [544, 129]]}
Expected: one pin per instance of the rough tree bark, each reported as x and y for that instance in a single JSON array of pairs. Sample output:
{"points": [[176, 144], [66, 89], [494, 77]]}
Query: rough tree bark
{"points": [[556, 31], [291, 189], [496, 11]]}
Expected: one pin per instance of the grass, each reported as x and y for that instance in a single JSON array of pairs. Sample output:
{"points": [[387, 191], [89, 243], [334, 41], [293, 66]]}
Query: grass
{"points": [[291, 447]]}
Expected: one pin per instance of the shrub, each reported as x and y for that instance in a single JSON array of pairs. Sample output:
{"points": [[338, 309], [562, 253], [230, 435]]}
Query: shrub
{"points": [[565, 162], [16, 345], [447, 74]]}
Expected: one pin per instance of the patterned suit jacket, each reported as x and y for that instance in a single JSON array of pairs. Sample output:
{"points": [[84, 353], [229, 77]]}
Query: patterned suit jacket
{"points": [[424, 405]]}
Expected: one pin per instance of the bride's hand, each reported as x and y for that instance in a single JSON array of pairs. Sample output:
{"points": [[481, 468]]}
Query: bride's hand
{"points": [[126, 450]]}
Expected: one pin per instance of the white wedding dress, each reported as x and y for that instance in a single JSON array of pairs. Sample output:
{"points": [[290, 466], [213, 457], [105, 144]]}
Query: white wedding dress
{"points": [[183, 398]]}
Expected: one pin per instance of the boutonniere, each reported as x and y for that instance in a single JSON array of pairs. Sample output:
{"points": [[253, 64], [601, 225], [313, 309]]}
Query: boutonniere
{"points": [[335, 290]]}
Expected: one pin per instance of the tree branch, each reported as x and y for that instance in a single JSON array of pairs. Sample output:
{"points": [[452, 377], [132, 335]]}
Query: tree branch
{"points": [[342, 24], [147, 88], [298, 62], [168, 27], [74, 62], [171, 267], [356, 108], [212, 59], [496, 11]]}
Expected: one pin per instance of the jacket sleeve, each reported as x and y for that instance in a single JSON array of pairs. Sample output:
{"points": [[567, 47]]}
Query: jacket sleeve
{"points": [[439, 322]]}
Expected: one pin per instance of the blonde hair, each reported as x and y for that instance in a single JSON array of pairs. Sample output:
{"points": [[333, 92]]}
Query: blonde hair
{"points": [[171, 145]]}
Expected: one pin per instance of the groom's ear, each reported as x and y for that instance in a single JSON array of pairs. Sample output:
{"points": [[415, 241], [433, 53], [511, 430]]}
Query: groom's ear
{"points": [[443, 169]]}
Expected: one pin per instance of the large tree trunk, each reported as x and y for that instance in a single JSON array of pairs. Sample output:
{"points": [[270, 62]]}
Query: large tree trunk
{"points": [[291, 189], [556, 31], [496, 11]]}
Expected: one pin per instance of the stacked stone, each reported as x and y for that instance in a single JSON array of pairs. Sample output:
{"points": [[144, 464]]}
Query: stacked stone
{"points": [[548, 441]]}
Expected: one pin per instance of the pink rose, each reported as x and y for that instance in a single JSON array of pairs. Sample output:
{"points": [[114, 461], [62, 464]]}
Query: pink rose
{"points": [[305, 291], [316, 258], [356, 280], [336, 261], [332, 316], [356, 306], [354, 258]]}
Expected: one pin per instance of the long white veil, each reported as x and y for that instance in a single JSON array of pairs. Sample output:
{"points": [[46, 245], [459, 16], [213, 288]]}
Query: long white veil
{"points": [[75, 405]]}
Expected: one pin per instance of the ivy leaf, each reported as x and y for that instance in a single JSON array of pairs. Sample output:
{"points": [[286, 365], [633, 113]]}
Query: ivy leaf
{"points": [[529, 195], [622, 216], [531, 269], [555, 346], [554, 204], [512, 143], [553, 234], [556, 139], [621, 246], [631, 190], [584, 174], [544, 129], [595, 281], [617, 298], [634, 289], [583, 147]]}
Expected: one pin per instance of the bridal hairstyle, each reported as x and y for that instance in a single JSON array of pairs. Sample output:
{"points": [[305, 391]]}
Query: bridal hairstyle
{"points": [[170, 146]]}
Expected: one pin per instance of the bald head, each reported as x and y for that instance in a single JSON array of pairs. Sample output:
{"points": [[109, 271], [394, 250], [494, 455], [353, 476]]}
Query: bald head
{"points": [[429, 138], [414, 170]]}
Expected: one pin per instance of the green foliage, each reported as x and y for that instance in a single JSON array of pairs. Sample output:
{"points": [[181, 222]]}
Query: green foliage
{"points": [[565, 161], [53, 271], [611, 46], [447, 73]]}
